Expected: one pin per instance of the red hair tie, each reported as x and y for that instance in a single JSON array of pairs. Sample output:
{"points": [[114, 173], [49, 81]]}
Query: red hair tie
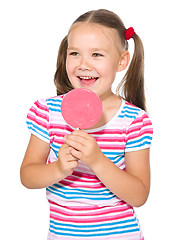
{"points": [[129, 33]]}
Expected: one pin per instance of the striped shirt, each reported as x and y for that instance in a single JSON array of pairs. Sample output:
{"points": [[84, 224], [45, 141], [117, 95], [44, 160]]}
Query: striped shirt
{"points": [[81, 207]]}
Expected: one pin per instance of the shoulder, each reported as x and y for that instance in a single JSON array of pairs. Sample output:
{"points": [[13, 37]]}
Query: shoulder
{"points": [[139, 128], [54, 103], [43, 107], [48, 104], [130, 111], [55, 98], [133, 113]]}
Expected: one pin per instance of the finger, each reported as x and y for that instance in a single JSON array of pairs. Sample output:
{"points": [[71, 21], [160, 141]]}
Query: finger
{"points": [[65, 147], [75, 142], [71, 157], [76, 138], [73, 164], [80, 133], [75, 153]]}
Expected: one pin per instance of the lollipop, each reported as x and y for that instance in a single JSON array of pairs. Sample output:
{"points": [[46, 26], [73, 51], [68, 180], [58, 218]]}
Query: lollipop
{"points": [[81, 108]]}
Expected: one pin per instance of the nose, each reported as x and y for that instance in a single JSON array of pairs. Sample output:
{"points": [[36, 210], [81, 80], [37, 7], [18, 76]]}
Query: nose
{"points": [[85, 64]]}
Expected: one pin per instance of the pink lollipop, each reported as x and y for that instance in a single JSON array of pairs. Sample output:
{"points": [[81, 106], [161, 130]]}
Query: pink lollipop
{"points": [[81, 108]]}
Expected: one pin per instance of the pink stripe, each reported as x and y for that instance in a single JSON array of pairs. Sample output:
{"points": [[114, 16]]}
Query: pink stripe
{"points": [[85, 175], [61, 126], [116, 147], [110, 139], [143, 124], [57, 134], [41, 106], [139, 134], [110, 131], [58, 141], [142, 120], [138, 128], [147, 123], [34, 119], [60, 96], [93, 207], [80, 214], [39, 114], [72, 185], [130, 104], [133, 129], [78, 208], [71, 178], [93, 220], [137, 120], [132, 236], [48, 161], [99, 139]]}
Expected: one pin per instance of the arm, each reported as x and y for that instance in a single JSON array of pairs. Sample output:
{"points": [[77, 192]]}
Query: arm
{"points": [[35, 173], [131, 186]]}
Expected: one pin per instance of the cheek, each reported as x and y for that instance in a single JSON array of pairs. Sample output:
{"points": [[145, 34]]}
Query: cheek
{"points": [[69, 67], [106, 69]]}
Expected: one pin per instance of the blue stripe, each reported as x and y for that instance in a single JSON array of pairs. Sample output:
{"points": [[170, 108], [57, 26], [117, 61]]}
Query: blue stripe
{"points": [[129, 112], [53, 104], [83, 191], [55, 146], [115, 161], [55, 152], [78, 197], [54, 109], [132, 108], [95, 235], [35, 128], [94, 230], [139, 140], [106, 224], [128, 116], [54, 100], [113, 153], [140, 145]]}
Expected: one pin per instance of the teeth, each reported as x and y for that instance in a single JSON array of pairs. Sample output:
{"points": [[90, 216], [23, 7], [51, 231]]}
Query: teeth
{"points": [[87, 78]]}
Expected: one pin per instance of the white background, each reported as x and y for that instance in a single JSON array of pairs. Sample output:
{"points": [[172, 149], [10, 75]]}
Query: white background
{"points": [[31, 32]]}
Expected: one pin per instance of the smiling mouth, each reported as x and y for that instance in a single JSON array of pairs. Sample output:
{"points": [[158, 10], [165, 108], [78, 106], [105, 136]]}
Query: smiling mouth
{"points": [[87, 80]]}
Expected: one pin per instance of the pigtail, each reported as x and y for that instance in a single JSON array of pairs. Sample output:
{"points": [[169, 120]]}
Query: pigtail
{"points": [[61, 80], [132, 84]]}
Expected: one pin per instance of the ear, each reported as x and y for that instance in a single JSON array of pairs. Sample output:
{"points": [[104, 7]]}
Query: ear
{"points": [[124, 61]]}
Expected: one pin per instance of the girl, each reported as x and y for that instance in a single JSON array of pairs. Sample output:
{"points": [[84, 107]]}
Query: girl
{"points": [[93, 177]]}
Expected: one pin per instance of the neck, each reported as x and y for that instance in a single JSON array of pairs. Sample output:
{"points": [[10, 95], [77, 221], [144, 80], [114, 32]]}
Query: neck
{"points": [[108, 99], [110, 104]]}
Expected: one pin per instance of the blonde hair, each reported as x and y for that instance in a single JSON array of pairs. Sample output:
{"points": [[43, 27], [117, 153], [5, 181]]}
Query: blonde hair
{"points": [[131, 87]]}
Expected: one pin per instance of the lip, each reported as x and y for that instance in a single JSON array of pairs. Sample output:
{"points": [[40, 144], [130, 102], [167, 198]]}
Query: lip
{"points": [[87, 81]]}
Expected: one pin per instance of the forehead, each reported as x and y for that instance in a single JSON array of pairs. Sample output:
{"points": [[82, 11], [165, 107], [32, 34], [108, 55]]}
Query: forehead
{"points": [[92, 34]]}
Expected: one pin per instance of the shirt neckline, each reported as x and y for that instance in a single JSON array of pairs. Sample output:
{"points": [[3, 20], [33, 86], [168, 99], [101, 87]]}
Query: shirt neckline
{"points": [[108, 123]]}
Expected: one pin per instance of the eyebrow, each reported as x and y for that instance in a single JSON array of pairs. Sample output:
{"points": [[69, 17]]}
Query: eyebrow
{"points": [[93, 49]]}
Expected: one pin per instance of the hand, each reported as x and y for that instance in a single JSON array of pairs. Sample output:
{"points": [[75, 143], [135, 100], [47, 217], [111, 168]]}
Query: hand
{"points": [[84, 146], [66, 161]]}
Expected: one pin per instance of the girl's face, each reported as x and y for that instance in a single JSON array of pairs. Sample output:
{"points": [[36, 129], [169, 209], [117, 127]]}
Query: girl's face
{"points": [[92, 57]]}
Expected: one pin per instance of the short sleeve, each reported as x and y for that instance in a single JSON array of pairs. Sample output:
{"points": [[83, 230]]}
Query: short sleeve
{"points": [[38, 120], [139, 134]]}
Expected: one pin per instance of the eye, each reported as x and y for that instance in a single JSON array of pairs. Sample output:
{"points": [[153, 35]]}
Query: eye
{"points": [[74, 53], [97, 55]]}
